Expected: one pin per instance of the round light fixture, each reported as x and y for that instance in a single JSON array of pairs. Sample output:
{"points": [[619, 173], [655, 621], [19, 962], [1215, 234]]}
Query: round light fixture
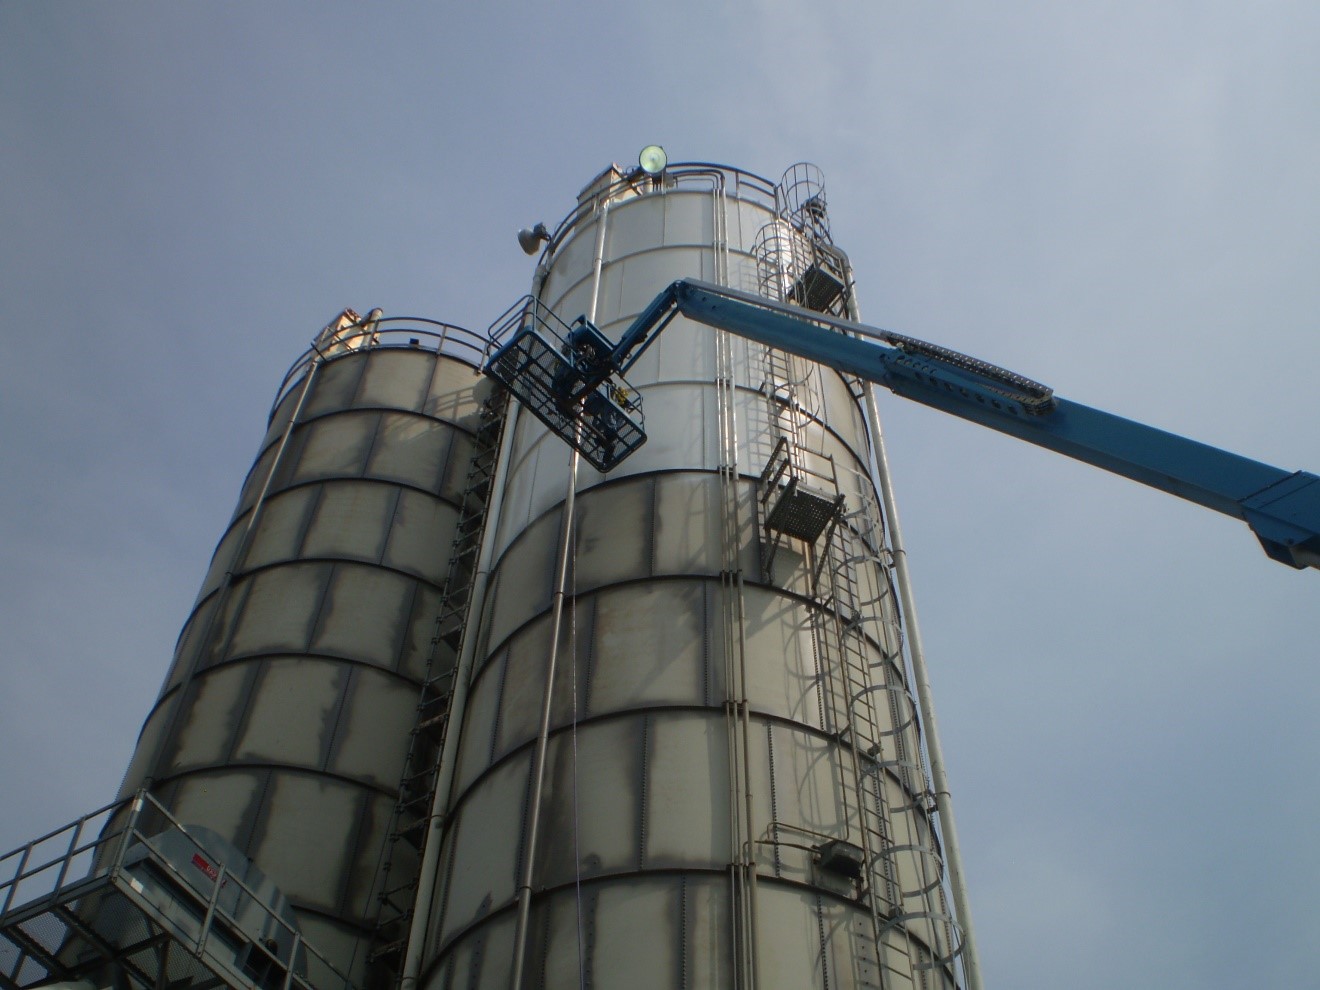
{"points": [[653, 160]]}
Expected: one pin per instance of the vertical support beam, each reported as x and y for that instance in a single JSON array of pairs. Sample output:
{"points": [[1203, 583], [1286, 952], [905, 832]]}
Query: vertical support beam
{"points": [[917, 656]]}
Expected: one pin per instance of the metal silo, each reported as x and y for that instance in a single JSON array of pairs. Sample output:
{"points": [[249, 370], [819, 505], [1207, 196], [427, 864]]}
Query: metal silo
{"points": [[284, 722], [690, 755]]}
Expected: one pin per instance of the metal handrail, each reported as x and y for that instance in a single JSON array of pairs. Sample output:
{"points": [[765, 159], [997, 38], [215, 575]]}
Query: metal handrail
{"points": [[747, 185], [411, 332], [116, 857]]}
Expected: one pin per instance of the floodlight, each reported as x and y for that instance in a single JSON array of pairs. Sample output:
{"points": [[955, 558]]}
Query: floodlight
{"points": [[530, 240], [653, 160]]}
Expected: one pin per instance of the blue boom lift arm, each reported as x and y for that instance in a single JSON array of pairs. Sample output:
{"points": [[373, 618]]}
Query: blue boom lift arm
{"points": [[573, 383]]}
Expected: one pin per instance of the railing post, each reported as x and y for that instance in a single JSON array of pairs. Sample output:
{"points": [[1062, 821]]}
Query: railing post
{"points": [[210, 910], [18, 876], [68, 856]]}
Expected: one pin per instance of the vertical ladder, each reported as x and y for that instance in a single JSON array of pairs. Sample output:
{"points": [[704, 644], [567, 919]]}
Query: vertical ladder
{"points": [[851, 694], [411, 820]]}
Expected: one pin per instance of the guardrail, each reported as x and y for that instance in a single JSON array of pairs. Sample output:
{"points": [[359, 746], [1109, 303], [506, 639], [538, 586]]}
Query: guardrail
{"points": [[129, 891]]}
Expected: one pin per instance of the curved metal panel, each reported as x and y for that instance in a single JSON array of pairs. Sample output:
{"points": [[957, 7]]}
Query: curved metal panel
{"points": [[284, 720], [727, 725]]}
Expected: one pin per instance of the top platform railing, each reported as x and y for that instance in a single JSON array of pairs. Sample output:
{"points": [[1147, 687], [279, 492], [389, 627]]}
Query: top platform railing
{"points": [[406, 332], [734, 182]]}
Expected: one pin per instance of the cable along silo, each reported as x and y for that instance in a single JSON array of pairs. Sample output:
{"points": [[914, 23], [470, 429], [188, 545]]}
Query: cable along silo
{"points": [[283, 726], [689, 755]]}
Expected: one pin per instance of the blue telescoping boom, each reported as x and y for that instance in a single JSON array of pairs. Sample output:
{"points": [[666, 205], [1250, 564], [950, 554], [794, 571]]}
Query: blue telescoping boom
{"points": [[573, 383]]}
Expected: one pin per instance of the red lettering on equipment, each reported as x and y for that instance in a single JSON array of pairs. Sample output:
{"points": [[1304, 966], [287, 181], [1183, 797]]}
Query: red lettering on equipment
{"points": [[204, 866]]}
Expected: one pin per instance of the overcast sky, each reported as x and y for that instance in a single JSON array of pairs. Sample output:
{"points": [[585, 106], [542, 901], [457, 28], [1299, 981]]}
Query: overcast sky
{"points": [[1118, 199]]}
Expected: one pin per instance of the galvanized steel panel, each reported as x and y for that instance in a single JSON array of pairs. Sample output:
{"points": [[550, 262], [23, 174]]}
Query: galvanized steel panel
{"points": [[842, 411], [520, 481], [367, 742], [336, 942], [256, 478], [687, 794], [411, 450], [481, 961], [336, 446], [550, 469], [613, 535], [687, 524], [187, 650], [689, 218], [223, 558], [475, 753], [488, 828], [573, 257], [649, 646], [417, 637], [279, 609], [644, 275], [631, 227], [293, 713], [280, 415], [278, 535], [574, 302], [454, 478], [351, 521], [594, 791], [306, 837], [681, 430], [364, 614], [149, 740], [396, 378], [336, 383], [225, 801], [789, 954], [563, 940], [361, 897], [523, 577], [522, 687], [421, 536], [456, 393], [686, 350], [637, 938], [783, 671]]}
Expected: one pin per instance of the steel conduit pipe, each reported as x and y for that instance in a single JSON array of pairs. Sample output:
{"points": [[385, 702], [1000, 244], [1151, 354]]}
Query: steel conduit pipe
{"points": [[561, 581]]}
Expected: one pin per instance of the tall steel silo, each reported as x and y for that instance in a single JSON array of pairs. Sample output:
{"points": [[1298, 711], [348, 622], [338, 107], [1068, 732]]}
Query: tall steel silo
{"points": [[284, 722], [689, 753]]}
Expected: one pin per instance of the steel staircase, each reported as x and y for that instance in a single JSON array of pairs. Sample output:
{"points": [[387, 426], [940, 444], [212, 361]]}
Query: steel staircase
{"points": [[411, 822]]}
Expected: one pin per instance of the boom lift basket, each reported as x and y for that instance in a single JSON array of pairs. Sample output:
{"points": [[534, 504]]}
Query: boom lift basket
{"points": [[561, 375]]}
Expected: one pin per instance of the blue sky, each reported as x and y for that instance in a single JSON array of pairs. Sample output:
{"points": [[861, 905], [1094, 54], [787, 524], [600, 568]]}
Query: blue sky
{"points": [[1118, 199]]}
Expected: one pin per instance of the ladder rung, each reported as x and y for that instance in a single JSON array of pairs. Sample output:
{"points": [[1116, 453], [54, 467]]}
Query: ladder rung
{"points": [[433, 721], [387, 950]]}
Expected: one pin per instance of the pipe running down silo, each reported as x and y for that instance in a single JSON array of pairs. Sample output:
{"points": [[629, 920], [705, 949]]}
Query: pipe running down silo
{"points": [[691, 754]]}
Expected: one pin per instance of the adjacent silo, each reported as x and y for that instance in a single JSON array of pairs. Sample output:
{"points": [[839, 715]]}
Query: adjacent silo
{"points": [[689, 755], [284, 721]]}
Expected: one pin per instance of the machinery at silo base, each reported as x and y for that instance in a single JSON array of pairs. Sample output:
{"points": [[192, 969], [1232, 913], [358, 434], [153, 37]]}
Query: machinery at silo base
{"points": [[127, 897], [755, 728]]}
